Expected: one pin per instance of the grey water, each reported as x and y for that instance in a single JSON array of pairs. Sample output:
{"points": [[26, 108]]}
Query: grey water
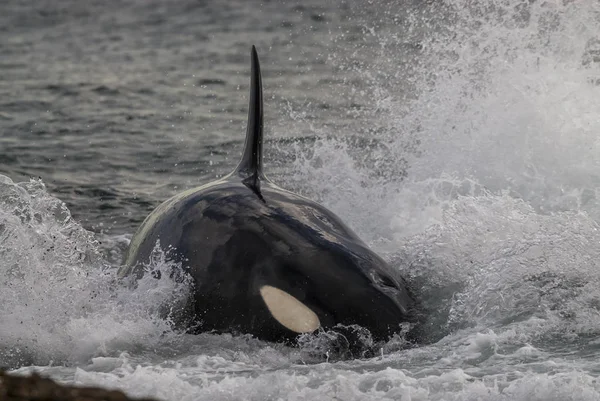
{"points": [[459, 139]]}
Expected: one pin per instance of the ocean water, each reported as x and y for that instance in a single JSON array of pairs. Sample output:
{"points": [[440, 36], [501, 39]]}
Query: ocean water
{"points": [[460, 139]]}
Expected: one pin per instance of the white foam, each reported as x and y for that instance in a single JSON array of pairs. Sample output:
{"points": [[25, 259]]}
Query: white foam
{"points": [[61, 301]]}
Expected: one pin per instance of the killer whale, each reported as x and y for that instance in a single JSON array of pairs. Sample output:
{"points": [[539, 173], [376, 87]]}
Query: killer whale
{"points": [[265, 261]]}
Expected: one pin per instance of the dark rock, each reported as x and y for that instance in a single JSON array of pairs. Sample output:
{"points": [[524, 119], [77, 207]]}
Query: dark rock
{"points": [[38, 388]]}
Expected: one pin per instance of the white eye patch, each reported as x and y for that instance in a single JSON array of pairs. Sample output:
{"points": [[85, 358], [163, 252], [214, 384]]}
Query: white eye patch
{"points": [[288, 311]]}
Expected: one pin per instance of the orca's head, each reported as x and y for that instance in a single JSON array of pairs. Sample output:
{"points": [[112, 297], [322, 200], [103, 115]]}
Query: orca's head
{"points": [[333, 288], [320, 275]]}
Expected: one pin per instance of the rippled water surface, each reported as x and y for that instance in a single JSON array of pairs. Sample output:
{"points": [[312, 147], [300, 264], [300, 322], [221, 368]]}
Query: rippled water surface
{"points": [[458, 138]]}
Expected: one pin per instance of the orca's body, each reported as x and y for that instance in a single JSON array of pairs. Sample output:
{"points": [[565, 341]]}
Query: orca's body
{"points": [[268, 262]]}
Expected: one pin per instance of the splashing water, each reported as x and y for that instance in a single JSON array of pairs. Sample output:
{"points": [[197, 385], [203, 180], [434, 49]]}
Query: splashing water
{"points": [[61, 302]]}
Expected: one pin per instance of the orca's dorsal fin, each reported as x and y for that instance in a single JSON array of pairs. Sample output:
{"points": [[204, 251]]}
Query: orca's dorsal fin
{"points": [[250, 167]]}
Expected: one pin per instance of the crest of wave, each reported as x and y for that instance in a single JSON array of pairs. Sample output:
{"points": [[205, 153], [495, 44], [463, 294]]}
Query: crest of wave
{"points": [[60, 301]]}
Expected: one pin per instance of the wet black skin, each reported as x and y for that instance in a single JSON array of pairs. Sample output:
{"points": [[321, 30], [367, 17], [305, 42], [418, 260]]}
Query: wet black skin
{"points": [[238, 234], [233, 243]]}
